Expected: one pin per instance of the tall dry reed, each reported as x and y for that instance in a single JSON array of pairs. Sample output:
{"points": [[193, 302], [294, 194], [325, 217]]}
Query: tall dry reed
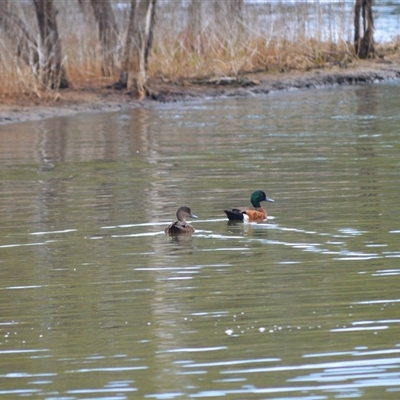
{"points": [[192, 39], [267, 36]]}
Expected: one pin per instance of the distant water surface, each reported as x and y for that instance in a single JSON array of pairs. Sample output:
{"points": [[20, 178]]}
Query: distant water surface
{"points": [[96, 302]]}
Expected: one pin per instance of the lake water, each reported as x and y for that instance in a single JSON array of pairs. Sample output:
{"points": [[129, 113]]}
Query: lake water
{"points": [[98, 303]]}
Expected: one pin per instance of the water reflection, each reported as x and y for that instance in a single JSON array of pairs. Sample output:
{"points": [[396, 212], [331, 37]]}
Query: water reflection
{"points": [[99, 302]]}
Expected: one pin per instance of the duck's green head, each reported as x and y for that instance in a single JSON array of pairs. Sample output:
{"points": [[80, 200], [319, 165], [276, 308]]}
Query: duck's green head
{"points": [[257, 197]]}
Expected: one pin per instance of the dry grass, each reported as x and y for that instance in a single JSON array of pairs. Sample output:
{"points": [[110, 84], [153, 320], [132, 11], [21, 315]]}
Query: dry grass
{"points": [[264, 37], [208, 42]]}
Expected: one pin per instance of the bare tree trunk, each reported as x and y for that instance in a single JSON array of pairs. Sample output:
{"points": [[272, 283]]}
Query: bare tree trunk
{"points": [[364, 46], [138, 43], [195, 19], [232, 9], [108, 33], [149, 41], [51, 73], [17, 33], [237, 8], [229, 16]]}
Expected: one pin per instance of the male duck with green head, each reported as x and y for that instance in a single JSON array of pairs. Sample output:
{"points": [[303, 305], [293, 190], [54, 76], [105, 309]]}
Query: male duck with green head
{"points": [[255, 214]]}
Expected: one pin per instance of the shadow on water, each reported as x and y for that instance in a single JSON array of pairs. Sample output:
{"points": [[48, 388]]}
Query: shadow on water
{"points": [[98, 302]]}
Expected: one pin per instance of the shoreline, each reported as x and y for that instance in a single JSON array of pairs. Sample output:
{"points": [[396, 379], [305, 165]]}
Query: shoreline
{"points": [[70, 102]]}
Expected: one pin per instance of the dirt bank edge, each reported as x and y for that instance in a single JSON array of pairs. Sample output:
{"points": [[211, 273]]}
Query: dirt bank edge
{"points": [[94, 100]]}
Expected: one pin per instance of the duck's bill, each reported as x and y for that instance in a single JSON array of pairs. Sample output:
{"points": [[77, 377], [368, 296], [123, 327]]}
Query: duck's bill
{"points": [[194, 216], [271, 200]]}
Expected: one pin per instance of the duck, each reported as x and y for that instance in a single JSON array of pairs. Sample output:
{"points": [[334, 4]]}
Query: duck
{"points": [[255, 214], [181, 226]]}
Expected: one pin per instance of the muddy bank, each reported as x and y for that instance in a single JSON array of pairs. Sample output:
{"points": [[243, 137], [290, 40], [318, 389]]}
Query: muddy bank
{"points": [[94, 100], [263, 83]]}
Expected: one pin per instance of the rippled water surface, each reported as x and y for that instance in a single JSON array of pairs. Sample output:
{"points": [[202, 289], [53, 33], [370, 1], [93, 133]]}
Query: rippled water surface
{"points": [[97, 303]]}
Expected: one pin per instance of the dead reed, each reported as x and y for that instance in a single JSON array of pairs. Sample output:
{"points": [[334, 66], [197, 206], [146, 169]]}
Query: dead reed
{"points": [[268, 36], [196, 39]]}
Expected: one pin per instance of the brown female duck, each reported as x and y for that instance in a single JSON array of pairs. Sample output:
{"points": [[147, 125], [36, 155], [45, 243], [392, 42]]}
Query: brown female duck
{"points": [[181, 226]]}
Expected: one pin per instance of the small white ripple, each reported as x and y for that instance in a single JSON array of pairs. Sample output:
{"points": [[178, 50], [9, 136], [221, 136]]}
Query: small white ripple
{"points": [[387, 272], [135, 225], [22, 245], [178, 278], [164, 223], [356, 258], [109, 369], [139, 234], [193, 349], [23, 287], [17, 351], [334, 364], [106, 390], [53, 232], [392, 255], [383, 321], [352, 329], [228, 249], [351, 231], [218, 236], [289, 262], [231, 362], [377, 301]]}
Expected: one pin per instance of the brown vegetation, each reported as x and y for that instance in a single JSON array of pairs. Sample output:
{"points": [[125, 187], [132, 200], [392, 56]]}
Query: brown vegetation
{"points": [[107, 43]]}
